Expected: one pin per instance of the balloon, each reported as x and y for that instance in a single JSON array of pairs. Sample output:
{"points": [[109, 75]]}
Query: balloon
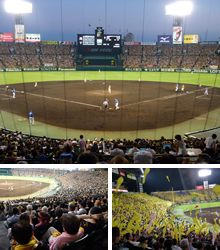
{"points": [[194, 198], [216, 189], [119, 182], [147, 170]]}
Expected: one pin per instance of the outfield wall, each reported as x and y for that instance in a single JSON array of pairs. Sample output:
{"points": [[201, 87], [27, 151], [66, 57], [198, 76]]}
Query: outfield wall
{"points": [[109, 68], [53, 184]]}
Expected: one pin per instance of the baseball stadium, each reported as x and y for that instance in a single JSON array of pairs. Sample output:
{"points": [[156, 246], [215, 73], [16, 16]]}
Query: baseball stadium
{"points": [[104, 84], [46, 197], [157, 208]]}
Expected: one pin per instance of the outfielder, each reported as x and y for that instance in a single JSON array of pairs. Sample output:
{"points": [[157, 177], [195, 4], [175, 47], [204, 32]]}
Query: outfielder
{"points": [[139, 79], [35, 85], [85, 79], [31, 118]]}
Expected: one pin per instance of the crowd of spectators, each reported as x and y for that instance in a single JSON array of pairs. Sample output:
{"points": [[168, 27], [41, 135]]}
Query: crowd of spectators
{"points": [[36, 55], [141, 221], [77, 210], [16, 147], [178, 56], [167, 56]]}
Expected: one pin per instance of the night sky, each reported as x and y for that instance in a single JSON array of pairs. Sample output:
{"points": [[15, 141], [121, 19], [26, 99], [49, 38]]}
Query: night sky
{"points": [[156, 180], [58, 20]]}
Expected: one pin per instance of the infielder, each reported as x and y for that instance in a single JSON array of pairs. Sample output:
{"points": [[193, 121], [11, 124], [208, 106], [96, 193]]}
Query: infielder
{"points": [[116, 104], [85, 79], [139, 79], [206, 91], [177, 87], [35, 85], [31, 118], [109, 89], [105, 103], [13, 93]]}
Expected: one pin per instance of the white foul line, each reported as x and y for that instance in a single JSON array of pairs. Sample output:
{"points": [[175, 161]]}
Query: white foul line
{"points": [[166, 97], [58, 99]]}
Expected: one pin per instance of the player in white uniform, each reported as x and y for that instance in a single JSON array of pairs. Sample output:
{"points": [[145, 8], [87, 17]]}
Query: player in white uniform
{"points": [[105, 103], [13, 93], [177, 87], [31, 118], [116, 104], [183, 87], [139, 79], [35, 85], [206, 91], [85, 79], [109, 89]]}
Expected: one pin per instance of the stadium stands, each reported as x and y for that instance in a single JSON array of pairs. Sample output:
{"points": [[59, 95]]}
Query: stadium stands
{"points": [[83, 195], [16, 147]]}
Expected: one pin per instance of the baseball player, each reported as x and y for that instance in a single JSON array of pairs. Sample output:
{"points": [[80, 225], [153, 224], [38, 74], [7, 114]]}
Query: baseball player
{"points": [[109, 89], [206, 91], [85, 79], [105, 103], [177, 87], [183, 87], [139, 79], [116, 104], [35, 85], [31, 118], [6, 88], [13, 92]]}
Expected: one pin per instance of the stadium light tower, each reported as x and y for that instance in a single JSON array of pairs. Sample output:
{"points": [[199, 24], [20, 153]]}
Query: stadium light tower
{"points": [[178, 10], [18, 8]]}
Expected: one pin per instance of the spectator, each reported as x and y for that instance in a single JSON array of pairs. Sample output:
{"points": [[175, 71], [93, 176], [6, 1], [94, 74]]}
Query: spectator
{"points": [[116, 150], [13, 219], [210, 143]]}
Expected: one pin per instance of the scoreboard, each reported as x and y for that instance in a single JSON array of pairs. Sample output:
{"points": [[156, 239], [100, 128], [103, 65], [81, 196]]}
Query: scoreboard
{"points": [[99, 43]]}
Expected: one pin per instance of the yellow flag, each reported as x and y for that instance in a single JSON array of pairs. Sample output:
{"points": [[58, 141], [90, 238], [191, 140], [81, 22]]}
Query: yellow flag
{"points": [[197, 212], [168, 178], [146, 172]]}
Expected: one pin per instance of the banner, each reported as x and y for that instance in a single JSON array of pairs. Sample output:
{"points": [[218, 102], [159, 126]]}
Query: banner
{"points": [[148, 43], [6, 37], [48, 65], [205, 43], [199, 187], [177, 35], [191, 38], [122, 172], [206, 184], [132, 43], [150, 65], [66, 43], [49, 42], [211, 186], [164, 39], [131, 176], [33, 38], [19, 33]]}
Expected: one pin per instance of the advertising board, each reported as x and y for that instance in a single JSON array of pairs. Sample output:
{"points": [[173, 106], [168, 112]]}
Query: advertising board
{"points": [[191, 38], [19, 33], [32, 38], [177, 35], [166, 39]]}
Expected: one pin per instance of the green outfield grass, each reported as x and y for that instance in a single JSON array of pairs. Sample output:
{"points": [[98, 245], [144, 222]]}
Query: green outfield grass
{"points": [[200, 205], [187, 78]]}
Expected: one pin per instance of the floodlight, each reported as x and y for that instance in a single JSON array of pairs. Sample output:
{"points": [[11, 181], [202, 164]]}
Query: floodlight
{"points": [[204, 172], [181, 8], [18, 6]]}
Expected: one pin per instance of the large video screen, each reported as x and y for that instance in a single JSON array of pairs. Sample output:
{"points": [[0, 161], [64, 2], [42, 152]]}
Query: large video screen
{"points": [[99, 43]]}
